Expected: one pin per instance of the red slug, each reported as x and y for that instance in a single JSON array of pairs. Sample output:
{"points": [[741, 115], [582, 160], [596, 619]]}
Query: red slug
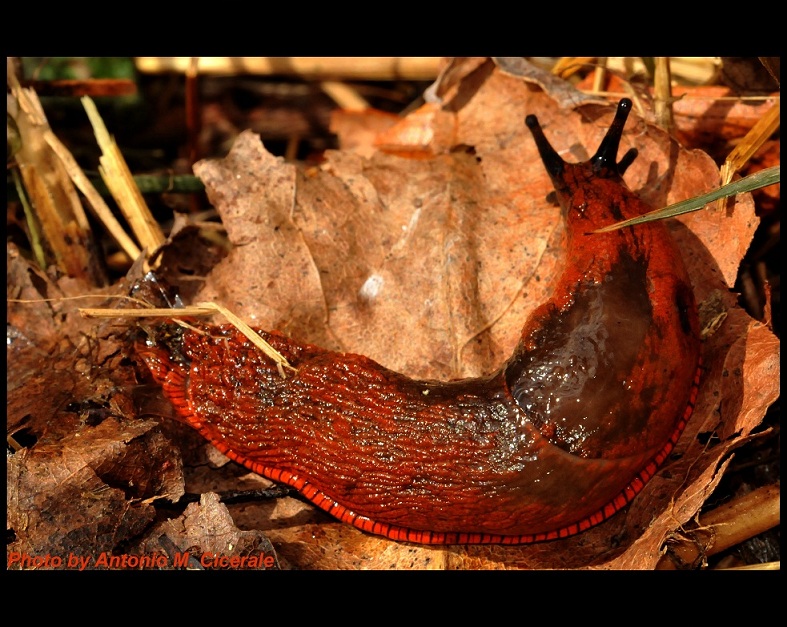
{"points": [[566, 433]]}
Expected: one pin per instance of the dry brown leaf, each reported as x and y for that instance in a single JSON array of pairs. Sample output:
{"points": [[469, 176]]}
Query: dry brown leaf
{"points": [[83, 495], [84, 465], [205, 537], [357, 130], [560, 90]]}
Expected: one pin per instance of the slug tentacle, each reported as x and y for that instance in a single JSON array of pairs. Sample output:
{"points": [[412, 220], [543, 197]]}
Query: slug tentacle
{"points": [[603, 162], [626, 160], [566, 433], [553, 162]]}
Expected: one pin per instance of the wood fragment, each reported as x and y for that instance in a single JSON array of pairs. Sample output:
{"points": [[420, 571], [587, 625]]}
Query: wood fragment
{"points": [[100, 208], [314, 68], [726, 526], [121, 184], [64, 227], [201, 309], [751, 143], [95, 87], [345, 95], [662, 83]]}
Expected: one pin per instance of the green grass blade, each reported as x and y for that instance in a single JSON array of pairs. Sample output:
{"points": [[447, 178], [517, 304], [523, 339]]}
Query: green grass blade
{"points": [[763, 178]]}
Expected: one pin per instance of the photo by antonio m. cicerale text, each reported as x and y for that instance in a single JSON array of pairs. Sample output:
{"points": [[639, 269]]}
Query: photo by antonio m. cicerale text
{"points": [[152, 561]]}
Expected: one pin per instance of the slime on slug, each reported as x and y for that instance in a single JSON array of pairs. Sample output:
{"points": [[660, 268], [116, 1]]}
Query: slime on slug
{"points": [[566, 433]]}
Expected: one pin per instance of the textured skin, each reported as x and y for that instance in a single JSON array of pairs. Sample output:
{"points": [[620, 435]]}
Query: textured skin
{"points": [[567, 432]]}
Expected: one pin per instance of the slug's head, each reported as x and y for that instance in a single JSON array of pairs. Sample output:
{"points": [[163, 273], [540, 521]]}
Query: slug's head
{"points": [[600, 165]]}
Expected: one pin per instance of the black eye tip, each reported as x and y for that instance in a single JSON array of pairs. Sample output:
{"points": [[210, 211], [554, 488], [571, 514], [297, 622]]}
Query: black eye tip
{"points": [[531, 121]]}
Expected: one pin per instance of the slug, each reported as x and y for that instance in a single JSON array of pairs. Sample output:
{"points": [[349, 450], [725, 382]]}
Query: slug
{"points": [[562, 436]]}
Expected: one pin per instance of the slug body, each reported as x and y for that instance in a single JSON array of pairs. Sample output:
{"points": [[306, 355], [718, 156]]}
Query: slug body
{"points": [[565, 434]]}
